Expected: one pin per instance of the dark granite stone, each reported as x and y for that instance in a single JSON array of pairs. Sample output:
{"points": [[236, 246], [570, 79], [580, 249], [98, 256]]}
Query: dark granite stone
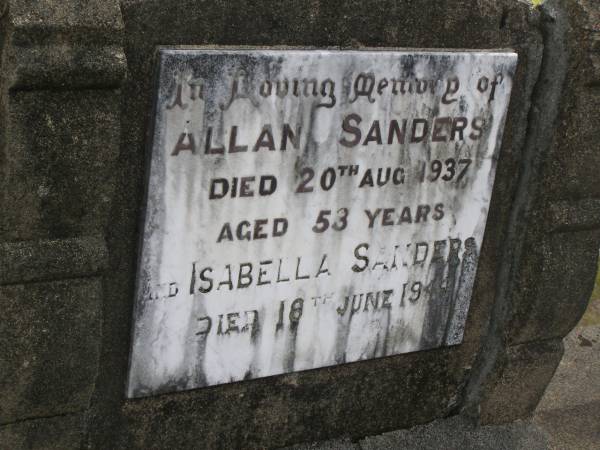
{"points": [[27, 261], [519, 380], [50, 340], [55, 433], [59, 164], [554, 286]]}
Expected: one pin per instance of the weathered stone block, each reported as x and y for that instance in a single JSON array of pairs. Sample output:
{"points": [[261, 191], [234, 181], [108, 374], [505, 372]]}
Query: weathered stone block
{"points": [[553, 288], [95, 14], [519, 381], [572, 162], [54, 433], [59, 164], [50, 339], [52, 259], [58, 160], [573, 215], [64, 45], [356, 398], [353, 399], [66, 67]]}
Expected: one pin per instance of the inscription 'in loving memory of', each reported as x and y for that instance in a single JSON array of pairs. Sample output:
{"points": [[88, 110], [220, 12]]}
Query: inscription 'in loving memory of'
{"points": [[311, 208]]}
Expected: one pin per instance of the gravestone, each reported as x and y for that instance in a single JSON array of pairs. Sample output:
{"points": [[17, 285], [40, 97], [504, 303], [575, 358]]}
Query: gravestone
{"points": [[255, 224]]}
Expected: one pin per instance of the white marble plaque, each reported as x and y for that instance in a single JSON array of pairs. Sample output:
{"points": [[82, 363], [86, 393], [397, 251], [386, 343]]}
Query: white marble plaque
{"points": [[308, 208]]}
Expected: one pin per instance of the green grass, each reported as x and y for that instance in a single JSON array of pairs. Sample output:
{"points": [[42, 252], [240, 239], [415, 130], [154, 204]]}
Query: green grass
{"points": [[592, 314]]}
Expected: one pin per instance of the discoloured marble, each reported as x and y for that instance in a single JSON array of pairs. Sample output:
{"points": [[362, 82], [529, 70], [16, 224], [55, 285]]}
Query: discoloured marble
{"points": [[358, 189]]}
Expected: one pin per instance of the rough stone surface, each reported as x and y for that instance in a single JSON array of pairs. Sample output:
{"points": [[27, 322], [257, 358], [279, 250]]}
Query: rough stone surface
{"points": [[566, 418], [337, 444], [64, 45], [71, 127], [572, 429], [567, 202], [54, 433], [551, 294], [570, 175], [554, 125], [61, 155], [50, 339], [298, 405], [519, 381], [453, 433], [570, 407], [59, 139], [576, 380], [456, 433], [52, 259], [565, 215]]}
